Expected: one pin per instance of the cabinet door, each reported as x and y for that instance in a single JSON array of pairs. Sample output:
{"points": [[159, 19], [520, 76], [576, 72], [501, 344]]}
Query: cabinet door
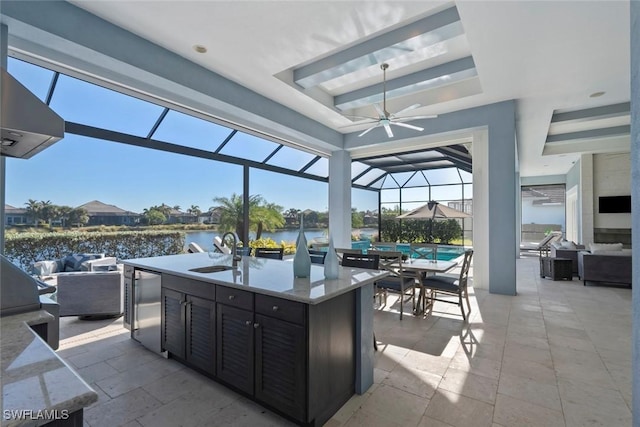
{"points": [[234, 351], [201, 333], [173, 322], [281, 365]]}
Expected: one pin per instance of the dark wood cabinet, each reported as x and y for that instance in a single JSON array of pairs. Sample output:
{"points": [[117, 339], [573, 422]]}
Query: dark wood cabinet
{"points": [[235, 347], [295, 358], [173, 322], [188, 329], [201, 333], [280, 361]]}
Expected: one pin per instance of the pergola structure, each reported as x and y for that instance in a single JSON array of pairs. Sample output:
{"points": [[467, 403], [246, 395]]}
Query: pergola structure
{"points": [[159, 127]]}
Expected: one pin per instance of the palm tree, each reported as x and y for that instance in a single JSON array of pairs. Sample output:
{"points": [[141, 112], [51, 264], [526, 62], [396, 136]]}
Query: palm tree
{"points": [[78, 216], [48, 211], [267, 217], [232, 213], [194, 210], [63, 213], [33, 211], [293, 214]]}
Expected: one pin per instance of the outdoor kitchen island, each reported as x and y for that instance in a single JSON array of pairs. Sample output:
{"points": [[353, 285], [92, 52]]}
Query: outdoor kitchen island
{"points": [[299, 346]]}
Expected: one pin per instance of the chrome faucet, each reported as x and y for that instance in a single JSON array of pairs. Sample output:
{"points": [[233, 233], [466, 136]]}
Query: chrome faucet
{"points": [[234, 248]]}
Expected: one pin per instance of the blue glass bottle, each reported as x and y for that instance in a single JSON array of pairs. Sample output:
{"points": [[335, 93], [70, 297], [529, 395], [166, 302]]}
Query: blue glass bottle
{"points": [[301, 260], [331, 264]]}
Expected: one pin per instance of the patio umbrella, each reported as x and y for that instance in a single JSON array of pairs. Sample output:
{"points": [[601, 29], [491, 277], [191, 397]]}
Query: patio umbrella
{"points": [[433, 210]]}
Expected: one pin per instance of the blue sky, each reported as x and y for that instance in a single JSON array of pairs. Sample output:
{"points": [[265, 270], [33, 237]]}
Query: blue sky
{"points": [[78, 169]]}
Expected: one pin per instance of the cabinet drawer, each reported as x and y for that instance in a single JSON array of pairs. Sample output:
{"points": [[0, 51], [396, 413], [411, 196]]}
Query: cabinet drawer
{"points": [[235, 297], [189, 286], [279, 308]]}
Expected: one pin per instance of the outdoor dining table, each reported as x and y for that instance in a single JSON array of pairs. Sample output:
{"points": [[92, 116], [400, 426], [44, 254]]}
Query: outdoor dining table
{"points": [[419, 266]]}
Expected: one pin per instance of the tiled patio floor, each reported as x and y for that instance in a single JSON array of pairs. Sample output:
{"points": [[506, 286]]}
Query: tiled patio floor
{"points": [[558, 354]]}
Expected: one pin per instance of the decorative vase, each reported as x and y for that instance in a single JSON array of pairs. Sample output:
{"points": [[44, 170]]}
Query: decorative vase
{"points": [[331, 264], [301, 260]]}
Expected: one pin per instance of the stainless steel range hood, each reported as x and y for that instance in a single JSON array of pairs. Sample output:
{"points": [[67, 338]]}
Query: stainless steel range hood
{"points": [[28, 124]]}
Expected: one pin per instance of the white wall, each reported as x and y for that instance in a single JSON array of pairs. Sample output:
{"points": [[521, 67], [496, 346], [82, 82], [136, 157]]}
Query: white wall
{"points": [[611, 177], [545, 214]]}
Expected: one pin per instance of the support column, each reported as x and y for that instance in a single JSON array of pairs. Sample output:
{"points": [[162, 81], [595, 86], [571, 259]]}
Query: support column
{"points": [[4, 33], [245, 204], [494, 202], [586, 198], [635, 209], [340, 198]]}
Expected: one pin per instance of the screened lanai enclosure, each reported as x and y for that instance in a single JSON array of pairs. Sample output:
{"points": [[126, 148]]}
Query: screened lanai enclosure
{"points": [[131, 129]]}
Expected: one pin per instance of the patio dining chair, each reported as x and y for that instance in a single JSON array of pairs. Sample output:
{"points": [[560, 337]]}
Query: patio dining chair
{"points": [[384, 246], [397, 281], [341, 252], [363, 261], [273, 253], [317, 257], [428, 251], [451, 285], [423, 251]]}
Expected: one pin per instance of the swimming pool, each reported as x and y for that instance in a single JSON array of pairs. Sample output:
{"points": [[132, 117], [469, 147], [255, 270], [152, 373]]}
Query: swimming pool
{"points": [[445, 252]]}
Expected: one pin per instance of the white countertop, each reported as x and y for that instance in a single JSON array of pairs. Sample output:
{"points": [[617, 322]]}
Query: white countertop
{"points": [[34, 378], [262, 275]]}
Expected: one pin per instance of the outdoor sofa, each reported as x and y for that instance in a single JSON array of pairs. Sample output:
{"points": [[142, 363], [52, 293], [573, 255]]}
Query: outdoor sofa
{"points": [[605, 264], [87, 285]]}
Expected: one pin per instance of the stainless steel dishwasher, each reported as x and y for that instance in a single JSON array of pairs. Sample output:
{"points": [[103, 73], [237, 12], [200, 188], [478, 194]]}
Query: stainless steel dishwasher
{"points": [[147, 308]]}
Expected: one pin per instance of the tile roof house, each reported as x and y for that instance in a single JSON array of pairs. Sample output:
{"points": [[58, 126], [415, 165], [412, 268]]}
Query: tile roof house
{"points": [[103, 214], [14, 216]]}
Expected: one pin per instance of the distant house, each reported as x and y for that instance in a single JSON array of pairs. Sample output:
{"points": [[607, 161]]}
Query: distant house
{"points": [[176, 216], [210, 217], [16, 216], [103, 214]]}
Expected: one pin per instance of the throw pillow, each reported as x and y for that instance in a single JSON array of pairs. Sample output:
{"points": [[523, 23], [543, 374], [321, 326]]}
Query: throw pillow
{"points": [[595, 248], [568, 245], [74, 262]]}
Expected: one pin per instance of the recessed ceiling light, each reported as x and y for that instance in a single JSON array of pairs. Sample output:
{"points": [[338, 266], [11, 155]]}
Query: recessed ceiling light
{"points": [[199, 48], [596, 94]]}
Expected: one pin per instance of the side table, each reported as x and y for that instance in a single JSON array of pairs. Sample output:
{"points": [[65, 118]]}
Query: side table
{"points": [[556, 268]]}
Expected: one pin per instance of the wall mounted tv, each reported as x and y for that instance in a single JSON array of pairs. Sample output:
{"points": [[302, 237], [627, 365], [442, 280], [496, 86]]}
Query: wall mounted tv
{"points": [[614, 204]]}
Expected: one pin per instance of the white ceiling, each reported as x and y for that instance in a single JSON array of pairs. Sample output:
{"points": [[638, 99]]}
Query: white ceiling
{"points": [[549, 56]]}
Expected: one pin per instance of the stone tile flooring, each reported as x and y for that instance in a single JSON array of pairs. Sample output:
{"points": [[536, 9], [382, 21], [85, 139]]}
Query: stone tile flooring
{"points": [[558, 354]]}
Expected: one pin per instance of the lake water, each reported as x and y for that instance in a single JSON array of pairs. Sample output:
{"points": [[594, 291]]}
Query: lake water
{"points": [[205, 238]]}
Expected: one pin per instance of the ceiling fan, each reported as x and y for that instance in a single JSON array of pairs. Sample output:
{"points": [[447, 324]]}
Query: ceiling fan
{"points": [[386, 119]]}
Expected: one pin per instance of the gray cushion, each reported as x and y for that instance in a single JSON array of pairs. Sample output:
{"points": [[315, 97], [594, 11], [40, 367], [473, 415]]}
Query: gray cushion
{"points": [[74, 262], [445, 283]]}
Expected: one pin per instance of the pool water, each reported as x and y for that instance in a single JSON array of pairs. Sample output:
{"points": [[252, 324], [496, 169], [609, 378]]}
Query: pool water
{"points": [[445, 253]]}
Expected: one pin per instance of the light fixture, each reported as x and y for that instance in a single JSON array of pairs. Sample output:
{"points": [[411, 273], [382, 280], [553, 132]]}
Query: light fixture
{"points": [[596, 94], [199, 48], [7, 142]]}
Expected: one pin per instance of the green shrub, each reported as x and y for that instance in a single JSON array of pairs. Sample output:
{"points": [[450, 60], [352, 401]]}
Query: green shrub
{"points": [[417, 231], [268, 242], [23, 249]]}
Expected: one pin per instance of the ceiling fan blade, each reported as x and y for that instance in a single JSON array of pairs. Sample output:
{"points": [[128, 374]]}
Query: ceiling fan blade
{"points": [[409, 118], [358, 124], [360, 117], [388, 129], [404, 125], [410, 107], [367, 131], [379, 110]]}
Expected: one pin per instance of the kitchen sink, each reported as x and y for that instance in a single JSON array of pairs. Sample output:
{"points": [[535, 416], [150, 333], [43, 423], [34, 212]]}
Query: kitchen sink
{"points": [[211, 269]]}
